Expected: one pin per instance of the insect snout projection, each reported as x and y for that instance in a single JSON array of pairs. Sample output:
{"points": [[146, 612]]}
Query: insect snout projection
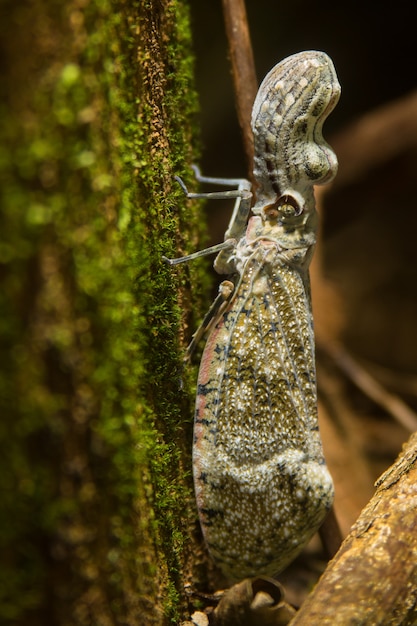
{"points": [[261, 482]]}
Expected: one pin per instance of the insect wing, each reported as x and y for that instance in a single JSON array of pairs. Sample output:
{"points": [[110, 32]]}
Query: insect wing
{"points": [[257, 452]]}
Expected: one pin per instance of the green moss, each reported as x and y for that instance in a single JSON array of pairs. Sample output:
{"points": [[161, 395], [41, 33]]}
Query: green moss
{"points": [[161, 150], [96, 485]]}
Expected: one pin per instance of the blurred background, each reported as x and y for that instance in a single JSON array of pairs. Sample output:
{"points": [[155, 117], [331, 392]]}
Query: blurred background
{"points": [[365, 299], [373, 50], [370, 221]]}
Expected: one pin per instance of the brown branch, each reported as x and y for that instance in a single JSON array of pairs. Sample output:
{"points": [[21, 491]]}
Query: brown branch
{"points": [[392, 403], [373, 578], [243, 70], [402, 382]]}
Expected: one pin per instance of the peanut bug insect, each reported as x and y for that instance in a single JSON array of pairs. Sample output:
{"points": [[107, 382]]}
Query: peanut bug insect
{"points": [[261, 482]]}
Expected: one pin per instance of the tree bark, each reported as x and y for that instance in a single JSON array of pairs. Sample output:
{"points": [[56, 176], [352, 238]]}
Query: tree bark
{"points": [[97, 511], [373, 578]]}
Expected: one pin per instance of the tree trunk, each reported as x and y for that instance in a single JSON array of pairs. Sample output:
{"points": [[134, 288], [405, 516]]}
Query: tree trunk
{"points": [[97, 510]]}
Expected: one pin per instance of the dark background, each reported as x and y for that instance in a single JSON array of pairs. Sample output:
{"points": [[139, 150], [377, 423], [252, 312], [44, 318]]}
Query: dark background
{"points": [[373, 49], [370, 226]]}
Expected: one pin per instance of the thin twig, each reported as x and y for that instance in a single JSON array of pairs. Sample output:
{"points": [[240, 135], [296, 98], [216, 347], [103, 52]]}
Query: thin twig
{"points": [[403, 383], [392, 403], [243, 69]]}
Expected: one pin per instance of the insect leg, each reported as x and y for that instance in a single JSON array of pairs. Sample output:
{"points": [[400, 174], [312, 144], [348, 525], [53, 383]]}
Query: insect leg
{"points": [[214, 195], [239, 219], [240, 183], [237, 223], [226, 245], [226, 289]]}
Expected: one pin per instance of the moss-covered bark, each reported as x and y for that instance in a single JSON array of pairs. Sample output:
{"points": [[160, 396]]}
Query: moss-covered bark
{"points": [[95, 480]]}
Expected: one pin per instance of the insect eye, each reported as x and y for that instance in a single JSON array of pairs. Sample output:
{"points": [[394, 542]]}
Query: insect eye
{"points": [[287, 210], [288, 207]]}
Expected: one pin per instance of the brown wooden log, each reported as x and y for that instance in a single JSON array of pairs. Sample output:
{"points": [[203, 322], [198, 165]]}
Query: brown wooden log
{"points": [[373, 578]]}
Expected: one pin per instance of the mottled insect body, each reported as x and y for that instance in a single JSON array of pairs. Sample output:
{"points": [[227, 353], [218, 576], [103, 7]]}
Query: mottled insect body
{"points": [[262, 486]]}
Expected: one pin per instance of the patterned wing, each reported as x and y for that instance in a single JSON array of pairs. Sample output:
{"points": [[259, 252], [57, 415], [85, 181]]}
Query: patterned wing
{"points": [[261, 484]]}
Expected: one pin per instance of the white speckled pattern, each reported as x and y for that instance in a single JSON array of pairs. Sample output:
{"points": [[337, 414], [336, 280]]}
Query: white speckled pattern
{"points": [[261, 482]]}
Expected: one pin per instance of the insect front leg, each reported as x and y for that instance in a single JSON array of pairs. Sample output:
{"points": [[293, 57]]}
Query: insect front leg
{"points": [[241, 209], [226, 290], [239, 183], [237, 224], [224, 262]]}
